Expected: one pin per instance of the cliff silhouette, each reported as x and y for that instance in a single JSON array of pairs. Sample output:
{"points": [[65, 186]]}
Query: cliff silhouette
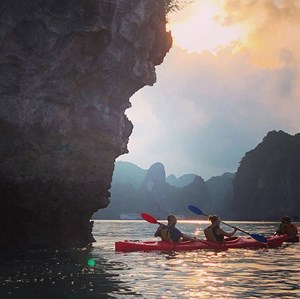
{"points": [[267, 182], [265, 187], [67, 72], [150, 191]]}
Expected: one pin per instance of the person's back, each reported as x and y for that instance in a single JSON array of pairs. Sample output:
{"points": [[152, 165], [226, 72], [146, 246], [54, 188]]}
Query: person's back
{"points": [[170, 233], [286, 227], [214, 232], [291, 229]]}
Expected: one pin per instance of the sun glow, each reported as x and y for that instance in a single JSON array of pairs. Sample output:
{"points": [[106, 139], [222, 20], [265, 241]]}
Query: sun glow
{"points": [[197, 28]]}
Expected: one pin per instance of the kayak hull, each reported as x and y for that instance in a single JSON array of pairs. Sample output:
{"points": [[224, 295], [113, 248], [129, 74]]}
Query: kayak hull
{"points": [[234, 242], [292, 239]]}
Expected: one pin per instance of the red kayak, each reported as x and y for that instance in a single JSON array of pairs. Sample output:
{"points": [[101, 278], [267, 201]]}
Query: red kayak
{"points": [[234, 242], [292, 239]]}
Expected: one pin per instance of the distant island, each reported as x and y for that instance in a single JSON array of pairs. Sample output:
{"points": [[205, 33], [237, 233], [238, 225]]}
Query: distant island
{"points": [[267, 182], [265, 187], [135, 190]]}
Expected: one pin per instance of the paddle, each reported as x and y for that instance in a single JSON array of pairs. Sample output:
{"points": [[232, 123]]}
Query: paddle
{"points": [[257, 237], [149, 218], [152, 220]]}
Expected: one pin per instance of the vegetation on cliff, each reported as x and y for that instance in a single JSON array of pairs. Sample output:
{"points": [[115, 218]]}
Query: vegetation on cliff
{"points": [[175, 5]]}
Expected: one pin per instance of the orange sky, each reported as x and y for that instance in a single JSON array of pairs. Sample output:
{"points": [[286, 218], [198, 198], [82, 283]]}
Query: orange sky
{"points": [[231, 76]]}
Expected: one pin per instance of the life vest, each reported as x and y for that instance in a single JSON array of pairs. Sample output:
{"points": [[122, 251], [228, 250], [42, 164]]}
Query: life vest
{"points": [[165, 233], [290, 229], [211, 234]]}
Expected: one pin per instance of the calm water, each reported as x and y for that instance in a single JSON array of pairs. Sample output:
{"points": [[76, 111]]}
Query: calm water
{"points": [[273, 273]]}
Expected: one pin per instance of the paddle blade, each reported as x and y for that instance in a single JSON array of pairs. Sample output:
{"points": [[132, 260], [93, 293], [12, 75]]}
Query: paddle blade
{"points": [[149, 218], [259, 238], [195, 210]]}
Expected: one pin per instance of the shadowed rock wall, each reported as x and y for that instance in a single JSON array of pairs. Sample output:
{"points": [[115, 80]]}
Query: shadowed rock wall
{"points": [[67, 71], [267, 183]]}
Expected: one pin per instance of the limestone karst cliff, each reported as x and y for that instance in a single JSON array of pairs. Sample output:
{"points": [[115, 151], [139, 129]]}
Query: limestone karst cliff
{"points": [[267, 183], [152, 193], [67, 71]]}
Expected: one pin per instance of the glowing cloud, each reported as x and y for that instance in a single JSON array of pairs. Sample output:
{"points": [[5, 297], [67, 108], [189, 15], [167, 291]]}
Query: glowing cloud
{"points": [[272, 29], [206, 111], [199, 30]]}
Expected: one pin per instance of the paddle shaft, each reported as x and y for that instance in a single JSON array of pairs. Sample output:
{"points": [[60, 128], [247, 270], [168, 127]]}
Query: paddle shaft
{"points": [[231, 226], [257, 237]]}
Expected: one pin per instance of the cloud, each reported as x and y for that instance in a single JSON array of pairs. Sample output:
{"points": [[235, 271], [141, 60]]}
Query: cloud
{"points": [[206, 111], [271, 28]]}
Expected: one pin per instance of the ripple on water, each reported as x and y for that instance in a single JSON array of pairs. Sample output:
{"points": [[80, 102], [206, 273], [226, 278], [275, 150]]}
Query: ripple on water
{"points": [[272, 273]]}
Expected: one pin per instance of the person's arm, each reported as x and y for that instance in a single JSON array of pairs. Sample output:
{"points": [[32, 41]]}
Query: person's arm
{"points": [[225, 234], [157, 233], [176, 235], [188, 238], [296, 229], [280, 230]]}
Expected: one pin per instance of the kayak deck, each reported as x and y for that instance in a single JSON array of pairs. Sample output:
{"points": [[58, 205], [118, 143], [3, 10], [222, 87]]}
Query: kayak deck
{"points": [[233, 242]]}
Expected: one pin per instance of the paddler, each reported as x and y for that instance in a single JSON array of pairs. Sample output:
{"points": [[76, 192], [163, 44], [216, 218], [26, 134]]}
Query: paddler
{"points": [[286, 227], [214, 232], [170, 233]]}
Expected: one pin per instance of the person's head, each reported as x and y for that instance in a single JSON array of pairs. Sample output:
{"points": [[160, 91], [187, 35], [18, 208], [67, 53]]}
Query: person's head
{"points": [[286, 219], [214, 219], [172, 220]]}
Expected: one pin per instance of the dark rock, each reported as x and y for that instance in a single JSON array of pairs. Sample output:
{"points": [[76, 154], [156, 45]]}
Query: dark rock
{"points": [[221, 191], [267, 183], [197, 194], [155, 178], [67, 71]]}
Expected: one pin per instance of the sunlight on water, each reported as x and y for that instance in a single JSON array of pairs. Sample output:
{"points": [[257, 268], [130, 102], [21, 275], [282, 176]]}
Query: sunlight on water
{"points": [[102, 273]]}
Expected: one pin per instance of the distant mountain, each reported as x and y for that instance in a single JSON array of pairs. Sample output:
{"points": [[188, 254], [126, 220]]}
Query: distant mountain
{"points": [[182, 181], [265, 187], [126, 172], [267, 183], [135, 191], [197, 194], [221, 191]]}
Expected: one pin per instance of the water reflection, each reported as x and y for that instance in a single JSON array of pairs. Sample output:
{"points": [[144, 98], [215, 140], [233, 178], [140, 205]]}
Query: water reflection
{"points": [[53, 274], [234, 273], [272, 273]]}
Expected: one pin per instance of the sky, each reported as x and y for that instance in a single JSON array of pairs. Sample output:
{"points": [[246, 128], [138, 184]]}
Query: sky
{"points": [[231, 76]]}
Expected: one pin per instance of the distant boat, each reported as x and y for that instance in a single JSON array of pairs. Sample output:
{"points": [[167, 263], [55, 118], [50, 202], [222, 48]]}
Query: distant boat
{"points": [[130, 216]]}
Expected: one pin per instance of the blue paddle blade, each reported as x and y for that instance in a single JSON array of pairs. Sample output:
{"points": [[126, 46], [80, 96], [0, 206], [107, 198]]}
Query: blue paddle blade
{"points": [[195, 210], [259, 238]]}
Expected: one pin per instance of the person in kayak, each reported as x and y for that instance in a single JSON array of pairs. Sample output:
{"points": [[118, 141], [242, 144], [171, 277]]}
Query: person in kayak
{"points": [[286, 227], [170, 233], [214, 232]]}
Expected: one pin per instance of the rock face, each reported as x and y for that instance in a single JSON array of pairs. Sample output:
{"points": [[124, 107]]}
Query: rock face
{"points": [[182, 181], [267, 183], [153, 194], [67, 71], [221, 191], [155, 179]]}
